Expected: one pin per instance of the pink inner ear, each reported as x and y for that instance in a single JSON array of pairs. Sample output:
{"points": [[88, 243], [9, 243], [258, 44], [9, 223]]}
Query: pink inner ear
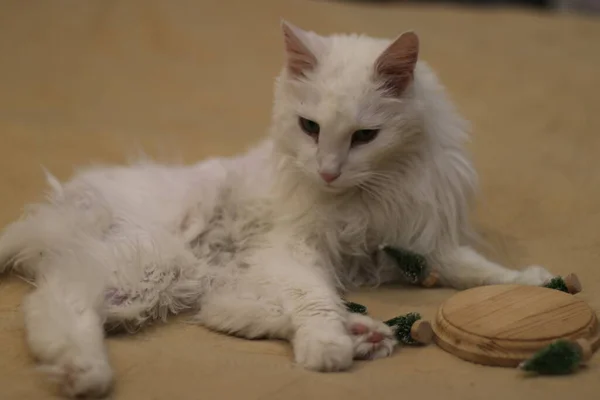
{"points": [[299, 57], [397, 63]]}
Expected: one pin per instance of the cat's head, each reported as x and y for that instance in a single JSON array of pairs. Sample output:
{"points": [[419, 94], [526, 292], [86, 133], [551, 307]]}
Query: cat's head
{"points": [[344, 107]]}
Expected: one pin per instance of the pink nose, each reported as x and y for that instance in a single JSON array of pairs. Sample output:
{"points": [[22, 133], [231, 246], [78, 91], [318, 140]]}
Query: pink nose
{"points": [[329, 177]]}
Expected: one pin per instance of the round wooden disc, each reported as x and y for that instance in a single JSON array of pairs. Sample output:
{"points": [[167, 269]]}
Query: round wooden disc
{"points": [[503, 325]]}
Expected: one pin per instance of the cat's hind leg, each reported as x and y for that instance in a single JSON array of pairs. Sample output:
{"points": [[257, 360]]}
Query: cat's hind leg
{"points": [[56, 247], [64, 318], [129, 279], [464, 268]]}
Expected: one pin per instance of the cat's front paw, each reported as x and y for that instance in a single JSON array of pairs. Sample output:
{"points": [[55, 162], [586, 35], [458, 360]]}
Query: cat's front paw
{"points": [[534, 276], [372, 339], [81, 377], [323, 348]]}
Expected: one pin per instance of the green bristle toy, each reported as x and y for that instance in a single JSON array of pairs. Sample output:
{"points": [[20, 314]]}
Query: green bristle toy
{"points": [[410, 329], [561, 357], [568, 284], [413, 266], [355, 307]]}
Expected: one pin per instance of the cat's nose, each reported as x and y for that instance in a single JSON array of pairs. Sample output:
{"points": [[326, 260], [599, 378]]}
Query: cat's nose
{"points": [[329, 176]]}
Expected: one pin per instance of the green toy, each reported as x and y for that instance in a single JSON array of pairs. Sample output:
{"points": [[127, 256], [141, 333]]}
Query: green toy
{"points": [[355, 307], [561, 357], [410, 329], [413, 266], [568, 284]]}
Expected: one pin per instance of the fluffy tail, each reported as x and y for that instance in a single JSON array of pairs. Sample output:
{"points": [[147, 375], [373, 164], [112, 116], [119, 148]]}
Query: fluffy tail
{"points": [[50, 227]]}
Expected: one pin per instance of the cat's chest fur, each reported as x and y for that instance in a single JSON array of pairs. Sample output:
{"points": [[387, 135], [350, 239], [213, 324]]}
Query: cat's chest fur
{"points": [[348, 231], [349, 240], [354, 228]]}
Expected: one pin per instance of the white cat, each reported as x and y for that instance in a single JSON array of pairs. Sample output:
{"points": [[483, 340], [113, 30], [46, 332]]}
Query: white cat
{"points": [[364, 149]]}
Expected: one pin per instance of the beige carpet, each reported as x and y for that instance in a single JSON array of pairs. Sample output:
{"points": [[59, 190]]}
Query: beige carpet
{"points": [[97, 80]]}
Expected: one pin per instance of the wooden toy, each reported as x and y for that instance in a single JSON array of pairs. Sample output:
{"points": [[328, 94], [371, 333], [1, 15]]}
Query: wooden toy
{"points": [[513, 325]]}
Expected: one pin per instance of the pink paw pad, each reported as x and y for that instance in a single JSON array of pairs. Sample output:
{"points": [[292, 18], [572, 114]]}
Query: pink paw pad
{"points": [[375, 337], [359, 329]]}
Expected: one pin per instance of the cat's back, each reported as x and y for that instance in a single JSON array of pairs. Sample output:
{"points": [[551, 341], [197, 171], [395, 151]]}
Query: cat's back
{"points": [[150, 193], [251, 174]]}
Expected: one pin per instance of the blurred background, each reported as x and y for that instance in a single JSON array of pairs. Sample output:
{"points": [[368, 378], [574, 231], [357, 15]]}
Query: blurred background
{"points": [[91, 82], [559, 5]]}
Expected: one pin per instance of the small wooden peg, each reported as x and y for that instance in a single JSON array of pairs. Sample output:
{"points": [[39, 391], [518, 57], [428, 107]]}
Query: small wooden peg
{"points": [[431, 280], [586, 349], [573, 283], [422, 332]]}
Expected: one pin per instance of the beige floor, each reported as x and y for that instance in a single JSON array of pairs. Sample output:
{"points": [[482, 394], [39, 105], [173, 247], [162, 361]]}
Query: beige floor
{"points": [[93, 81]]}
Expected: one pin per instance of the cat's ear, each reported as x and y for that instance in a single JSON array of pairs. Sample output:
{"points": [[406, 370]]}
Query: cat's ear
{"points": [[396, 65], [299, 57]]}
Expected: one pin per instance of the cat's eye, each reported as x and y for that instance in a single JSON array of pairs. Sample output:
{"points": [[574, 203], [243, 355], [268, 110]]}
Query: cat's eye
{"points": [[364, 136], [309, 127]]}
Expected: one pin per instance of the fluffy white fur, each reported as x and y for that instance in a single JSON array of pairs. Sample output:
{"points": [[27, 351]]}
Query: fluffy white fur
{"points": [[260, 245]]}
